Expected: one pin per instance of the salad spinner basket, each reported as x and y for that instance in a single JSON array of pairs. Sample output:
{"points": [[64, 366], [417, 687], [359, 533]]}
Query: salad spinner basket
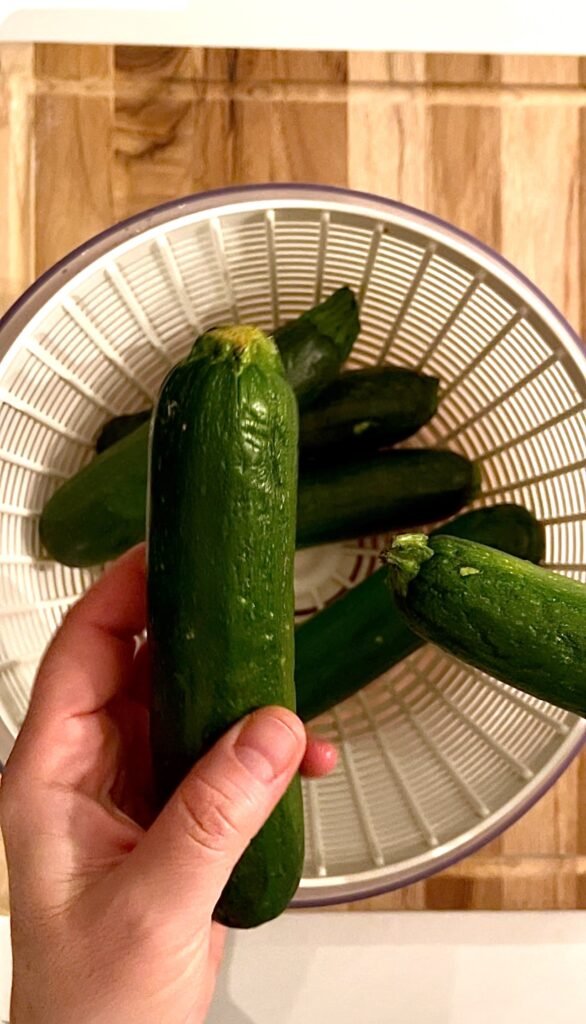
{"points": [[435, 758]]}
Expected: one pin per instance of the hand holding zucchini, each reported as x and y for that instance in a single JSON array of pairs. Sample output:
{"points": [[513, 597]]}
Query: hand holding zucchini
{"points": [[516, 621], [363, 634], [221, 542]]}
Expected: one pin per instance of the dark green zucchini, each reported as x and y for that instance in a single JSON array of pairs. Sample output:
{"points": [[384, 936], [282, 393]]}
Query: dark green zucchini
{"points": [[100, 512], [518, 622], [389, 491], [367, 409], [364, 633], [120, 426], [507, 527], [313, 348], [221, 545]]}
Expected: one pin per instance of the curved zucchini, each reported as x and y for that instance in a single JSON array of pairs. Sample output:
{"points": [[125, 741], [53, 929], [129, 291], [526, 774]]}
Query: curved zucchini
{"points": [[367, 409], [390, 491], [364, 633], [221, 543], [314, 347], [516, 621]]}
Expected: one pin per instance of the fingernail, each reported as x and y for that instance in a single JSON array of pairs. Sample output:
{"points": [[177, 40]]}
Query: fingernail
{"points": [[267, 744]]}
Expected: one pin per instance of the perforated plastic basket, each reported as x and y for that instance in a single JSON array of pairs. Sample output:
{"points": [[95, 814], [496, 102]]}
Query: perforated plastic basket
{"points": [[435, 758]]}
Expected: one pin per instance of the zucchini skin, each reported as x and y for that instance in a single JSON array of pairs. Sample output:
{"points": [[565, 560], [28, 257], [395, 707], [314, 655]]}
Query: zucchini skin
{"points": [[364, 632], [390, 491], [367, 409], [518, 622], [221, 542], [314, 347]]}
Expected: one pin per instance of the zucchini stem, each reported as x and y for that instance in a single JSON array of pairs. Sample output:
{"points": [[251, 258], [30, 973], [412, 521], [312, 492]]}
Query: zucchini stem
{"points": [[405, 557], [240, 343]]}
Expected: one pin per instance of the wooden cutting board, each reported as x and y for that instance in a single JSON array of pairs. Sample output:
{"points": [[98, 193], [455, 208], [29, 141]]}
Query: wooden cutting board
{"points": [[497, 145]]}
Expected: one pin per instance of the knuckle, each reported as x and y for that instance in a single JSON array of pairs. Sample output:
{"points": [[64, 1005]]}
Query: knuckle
{"points": [[209, 813]]}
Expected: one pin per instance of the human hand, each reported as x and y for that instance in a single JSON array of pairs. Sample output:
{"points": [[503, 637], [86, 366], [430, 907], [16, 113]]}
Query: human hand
{"points": [[111, 910]]}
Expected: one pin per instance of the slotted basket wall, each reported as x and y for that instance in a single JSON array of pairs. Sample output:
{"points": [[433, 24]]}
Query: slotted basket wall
{"points": [[435, 758]]}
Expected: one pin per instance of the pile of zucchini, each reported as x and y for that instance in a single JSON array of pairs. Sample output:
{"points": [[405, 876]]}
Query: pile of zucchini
{"points": [[351, 482], [258, 446]]}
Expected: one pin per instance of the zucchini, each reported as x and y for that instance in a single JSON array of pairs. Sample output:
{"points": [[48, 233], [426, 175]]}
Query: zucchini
{"points": [[507, 527], [518, 622], [100, 512], [221, 545], [390, 491], [363, 632], [367, 409], [120, 426], [313, 348]]}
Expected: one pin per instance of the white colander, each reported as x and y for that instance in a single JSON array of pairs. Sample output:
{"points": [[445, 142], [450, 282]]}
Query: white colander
{"points": [[435, 757]]}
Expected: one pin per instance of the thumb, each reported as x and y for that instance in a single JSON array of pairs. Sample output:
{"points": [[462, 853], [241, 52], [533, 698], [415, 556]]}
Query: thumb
{"points": [[188, 854]]}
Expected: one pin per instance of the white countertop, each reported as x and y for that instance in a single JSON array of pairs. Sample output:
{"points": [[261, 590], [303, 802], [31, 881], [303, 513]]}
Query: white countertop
{"points": [[405, 968], [500, 26]]}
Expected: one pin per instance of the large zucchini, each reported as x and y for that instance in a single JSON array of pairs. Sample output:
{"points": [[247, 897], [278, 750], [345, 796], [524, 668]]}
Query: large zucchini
{"points": [[518, 622], [364, 634], [221, 543]]}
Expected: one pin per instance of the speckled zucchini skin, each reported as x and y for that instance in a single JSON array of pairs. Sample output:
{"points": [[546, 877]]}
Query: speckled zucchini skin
{"points": [[221, 544], [518, 622]]}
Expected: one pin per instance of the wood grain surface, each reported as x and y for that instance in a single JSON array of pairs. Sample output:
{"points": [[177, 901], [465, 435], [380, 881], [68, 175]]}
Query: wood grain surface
{"points": [[497, 145]]}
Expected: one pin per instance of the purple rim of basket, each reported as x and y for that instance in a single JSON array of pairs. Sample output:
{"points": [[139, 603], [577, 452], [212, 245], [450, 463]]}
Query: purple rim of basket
{"points": [[184, 203]]}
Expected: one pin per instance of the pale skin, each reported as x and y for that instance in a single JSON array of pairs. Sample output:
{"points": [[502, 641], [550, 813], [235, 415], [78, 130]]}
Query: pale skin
{"points": [[111, 908]]}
